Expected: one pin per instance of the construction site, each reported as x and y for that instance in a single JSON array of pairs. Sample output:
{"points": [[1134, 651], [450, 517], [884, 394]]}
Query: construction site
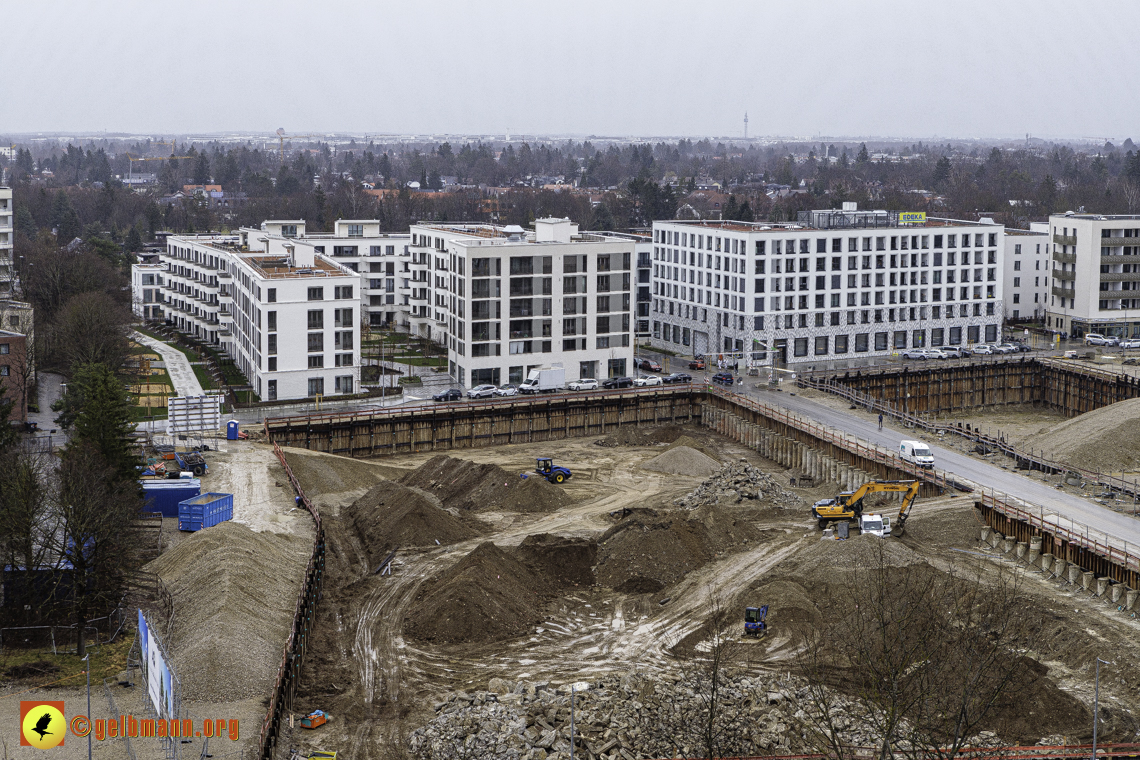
{"points": [[454, 596]]}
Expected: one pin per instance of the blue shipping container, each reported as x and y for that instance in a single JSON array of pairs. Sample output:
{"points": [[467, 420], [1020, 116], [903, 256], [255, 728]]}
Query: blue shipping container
{"points": [[164, 495], [205, 511]]}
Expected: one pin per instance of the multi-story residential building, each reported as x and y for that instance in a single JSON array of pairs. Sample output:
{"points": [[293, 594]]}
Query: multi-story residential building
{"points": [[1095, 275], [643, 298], [7, 266], [289, 316], [1025, 285], [835, 286], [147, 281], [505, 301], [15, 373]]}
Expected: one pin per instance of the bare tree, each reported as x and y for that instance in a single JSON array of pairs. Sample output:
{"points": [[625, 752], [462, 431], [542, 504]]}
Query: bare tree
{"points": [[913, 656], [27, 524]]}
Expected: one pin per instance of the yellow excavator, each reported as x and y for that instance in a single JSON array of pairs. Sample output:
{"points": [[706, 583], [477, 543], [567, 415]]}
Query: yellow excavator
{"points": [[848, 506]]}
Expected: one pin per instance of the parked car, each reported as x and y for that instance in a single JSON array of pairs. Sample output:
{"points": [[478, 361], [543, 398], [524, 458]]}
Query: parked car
{"points": [[618, 382], [643, 380], [585, 384], [1006, 348], [1096, 339], [936, 353], [649, 365], [482, 391], [983, 350], [1130, 343], [916, 353], [678, 377], [507, 390], [956, 352], [451, 394], [723, 378], [697, 364]]}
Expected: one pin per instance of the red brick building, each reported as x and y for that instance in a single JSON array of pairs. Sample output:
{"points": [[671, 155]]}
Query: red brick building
{"points": [[14, 373]]}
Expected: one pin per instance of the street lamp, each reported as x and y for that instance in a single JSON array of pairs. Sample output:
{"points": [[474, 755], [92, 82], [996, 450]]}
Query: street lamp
{"points": [[1096, 704]]}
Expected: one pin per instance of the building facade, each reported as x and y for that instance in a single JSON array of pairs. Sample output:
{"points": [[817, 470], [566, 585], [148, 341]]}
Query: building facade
{"points": [[147, 281], [1026, 274], [7, 264], [1095, 275], [15, 373], [833, 287], [505, 301], [288, 316]]}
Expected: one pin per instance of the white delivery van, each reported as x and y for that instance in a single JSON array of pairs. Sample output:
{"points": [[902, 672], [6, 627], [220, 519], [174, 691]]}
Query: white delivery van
{"points": [[875, 524], [917, 452]]}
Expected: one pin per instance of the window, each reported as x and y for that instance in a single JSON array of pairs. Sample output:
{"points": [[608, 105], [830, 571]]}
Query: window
{"points": [[271, 295], [900, 339], [316, 294], [316, 361], [603, 325], [316, 386], [1017, 266], [861, 342], [801, 346], [345, 360], [273, 364], [821, 342], [355, 230], [271, 348], [342, 317], [881, 339], [271, 390], [5, 370], [342, 292], [840, 344], [343, 340], [316, 319], [316, 342]]}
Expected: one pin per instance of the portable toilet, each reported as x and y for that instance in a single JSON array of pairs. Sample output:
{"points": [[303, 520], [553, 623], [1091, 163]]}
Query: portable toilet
{"points": [[232, 430]]}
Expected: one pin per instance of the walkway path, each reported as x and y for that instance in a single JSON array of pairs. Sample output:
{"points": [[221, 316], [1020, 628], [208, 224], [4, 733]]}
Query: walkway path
{"points": [[177, 365]]}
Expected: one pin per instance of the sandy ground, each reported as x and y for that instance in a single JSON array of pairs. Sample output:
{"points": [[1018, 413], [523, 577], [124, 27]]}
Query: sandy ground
{"points": [[594, 631]]}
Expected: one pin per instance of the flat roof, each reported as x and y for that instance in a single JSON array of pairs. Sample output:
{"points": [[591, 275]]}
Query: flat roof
{"points": [[278, 267]]}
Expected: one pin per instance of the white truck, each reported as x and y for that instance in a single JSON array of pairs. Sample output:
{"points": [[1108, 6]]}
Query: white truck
{"points": [[544, 380], [917, 453], [875, 524]]}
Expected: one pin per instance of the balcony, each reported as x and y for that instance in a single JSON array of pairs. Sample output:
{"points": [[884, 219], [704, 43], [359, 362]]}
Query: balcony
{"points": [[1135, 260], [1069, 276], [1065, 239], [1065, 258], [1064, 292], [1120, 276], [1113, 242]]}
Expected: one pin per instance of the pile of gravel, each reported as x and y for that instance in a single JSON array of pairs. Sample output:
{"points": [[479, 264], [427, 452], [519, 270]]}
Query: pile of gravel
{"points": [[469, 486], [737, 482], [683, 460], [234, 592], [392, 516], [1103, 440]]}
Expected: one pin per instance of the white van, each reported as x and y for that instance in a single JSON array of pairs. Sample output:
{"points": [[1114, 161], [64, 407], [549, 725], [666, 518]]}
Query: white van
{"points": [[917, 452], [876, 525]]}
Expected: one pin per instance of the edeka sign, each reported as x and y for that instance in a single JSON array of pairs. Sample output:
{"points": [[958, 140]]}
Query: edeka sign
{"points": [[912, 217]]}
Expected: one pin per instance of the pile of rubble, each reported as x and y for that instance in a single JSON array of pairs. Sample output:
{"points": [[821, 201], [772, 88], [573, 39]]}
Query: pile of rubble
{"points": [[737, 482], [631, 717], [616, 718]]}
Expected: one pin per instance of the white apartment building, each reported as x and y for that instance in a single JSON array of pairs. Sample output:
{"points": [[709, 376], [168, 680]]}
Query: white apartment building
{"points": [[505, 301], [832, 288], [287, 315], [147, 281], [1025, 282], [1096, 275], [7, 265]]}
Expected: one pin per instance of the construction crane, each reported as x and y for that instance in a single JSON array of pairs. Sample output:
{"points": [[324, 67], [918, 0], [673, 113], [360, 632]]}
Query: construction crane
{"points": [[281, 142]]}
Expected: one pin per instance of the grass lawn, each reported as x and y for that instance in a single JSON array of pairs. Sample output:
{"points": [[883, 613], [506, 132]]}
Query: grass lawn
{"points": [[38, 667], [203, 376]]}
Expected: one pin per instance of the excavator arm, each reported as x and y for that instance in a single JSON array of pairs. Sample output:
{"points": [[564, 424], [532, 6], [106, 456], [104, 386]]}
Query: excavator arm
{"points": [[904, 509]]}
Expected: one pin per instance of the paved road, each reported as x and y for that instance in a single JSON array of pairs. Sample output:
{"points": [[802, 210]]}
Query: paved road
{"points": [[1036, 492], [177, 365]]}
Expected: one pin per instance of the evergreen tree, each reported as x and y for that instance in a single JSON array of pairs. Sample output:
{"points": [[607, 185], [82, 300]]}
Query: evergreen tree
{"points": [[202, 169], [863, 157], [941, 172], [745, 213], [96, 410], [64, 218], [730, 210]]}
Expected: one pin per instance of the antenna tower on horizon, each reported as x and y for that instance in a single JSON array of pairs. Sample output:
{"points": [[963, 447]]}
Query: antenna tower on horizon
{"points": [[745, 125]]}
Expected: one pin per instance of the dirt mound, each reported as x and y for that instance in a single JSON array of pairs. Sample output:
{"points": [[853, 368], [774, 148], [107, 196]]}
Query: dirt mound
{"points": [[862, 551], [321, 473], [468, 486], [789, 603], [1032, 701], [392, 515], [562, 560], [221, 579], [642, 436], [1105, 439], [639, 584], [643, 550], [958, 526], [486, 596], [693, 443], [683, 460]]}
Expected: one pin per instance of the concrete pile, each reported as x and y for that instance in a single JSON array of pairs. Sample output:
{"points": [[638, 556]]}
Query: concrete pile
{"points": [[734, 483]]}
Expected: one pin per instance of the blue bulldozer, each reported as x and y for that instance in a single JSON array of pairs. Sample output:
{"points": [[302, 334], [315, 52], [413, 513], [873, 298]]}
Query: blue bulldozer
{"points": [[552, 472]]}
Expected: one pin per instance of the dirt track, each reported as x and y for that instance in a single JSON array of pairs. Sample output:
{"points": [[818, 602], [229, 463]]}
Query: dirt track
{"points": [[380, 684]]}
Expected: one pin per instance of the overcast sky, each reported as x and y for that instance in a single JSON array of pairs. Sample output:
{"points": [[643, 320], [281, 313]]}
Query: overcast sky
{"points": [[892, 69]]}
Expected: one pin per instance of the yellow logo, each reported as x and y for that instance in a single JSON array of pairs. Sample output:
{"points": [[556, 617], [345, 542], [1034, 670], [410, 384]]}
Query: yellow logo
{"points": [[912, 217], [42, 724]]}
